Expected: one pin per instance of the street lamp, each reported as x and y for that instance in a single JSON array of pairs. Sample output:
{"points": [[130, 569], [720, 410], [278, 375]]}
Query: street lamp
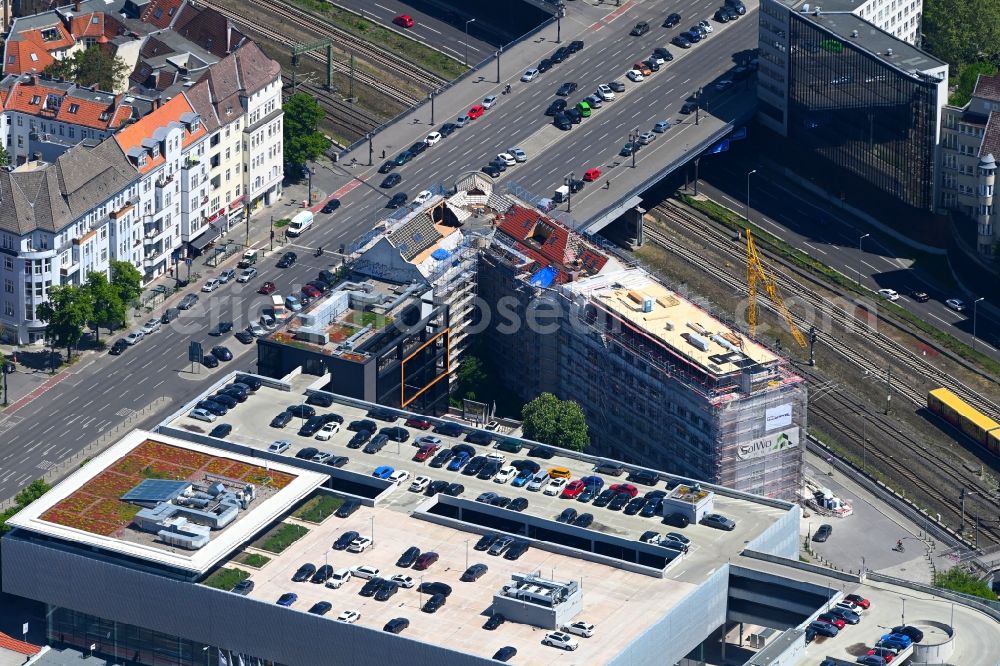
{"points": [[749, 173], [859, 257], [568, 182], [309, 198], [205, 650], [373, 532], [974, 321], [471, 20], [466, 553], [560, 10]]}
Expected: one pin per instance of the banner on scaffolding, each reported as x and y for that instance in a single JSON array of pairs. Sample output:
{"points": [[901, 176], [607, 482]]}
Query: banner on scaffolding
{"points": [[765, 446]]}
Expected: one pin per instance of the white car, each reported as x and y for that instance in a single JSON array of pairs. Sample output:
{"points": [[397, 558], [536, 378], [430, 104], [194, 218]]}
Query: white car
{"points": [[888, 294], [489, 101], [518, 154], [257, 330], [507, 159], [851, 606], [956, 304], [706, 25], [365, 572], [134, 337], [419, 484], [399, 476], [635, 75], [403, 581], [428, 439], [349, 616], [211, 285], [555, 486], [328, 431], [203, 415], [505, 474], [496, 456], [339, 577], [529, 75], [605, 92], [432, 138], [646, 138], [151, 326], [658, 60], [423, 197], [580, 629], [279, 446], [247, 275], [359, 545], [560, 639]]}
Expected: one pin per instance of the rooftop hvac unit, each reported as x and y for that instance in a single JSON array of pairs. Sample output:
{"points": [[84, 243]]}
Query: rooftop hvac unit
{"points": [[697, 341], [805, 8]]}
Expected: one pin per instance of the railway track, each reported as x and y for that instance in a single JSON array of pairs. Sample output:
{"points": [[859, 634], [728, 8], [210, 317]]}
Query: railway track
{"points": [[347, 116], [886, 347], [359, 46], [272, 34]]}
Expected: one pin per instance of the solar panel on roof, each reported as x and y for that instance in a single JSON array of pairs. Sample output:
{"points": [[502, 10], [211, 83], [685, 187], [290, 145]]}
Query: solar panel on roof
{"points": [[155, 490]]}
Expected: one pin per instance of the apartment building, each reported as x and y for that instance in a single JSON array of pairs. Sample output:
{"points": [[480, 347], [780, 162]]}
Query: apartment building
{"points": [[970, 142], [900, 18], [848, 95]]}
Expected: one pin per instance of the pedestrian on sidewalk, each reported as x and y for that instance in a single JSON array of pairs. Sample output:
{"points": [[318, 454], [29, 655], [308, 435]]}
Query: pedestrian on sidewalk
{"points": [[607, 185], [383, 153]]}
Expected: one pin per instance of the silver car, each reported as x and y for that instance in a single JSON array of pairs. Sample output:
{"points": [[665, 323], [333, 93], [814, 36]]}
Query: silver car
{"points": [[279, 446], [151, 326], [227, 275]]}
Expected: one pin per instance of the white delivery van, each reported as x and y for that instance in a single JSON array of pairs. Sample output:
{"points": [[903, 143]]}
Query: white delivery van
{"points": [[277, 305], [300, 223], [561, 194]]}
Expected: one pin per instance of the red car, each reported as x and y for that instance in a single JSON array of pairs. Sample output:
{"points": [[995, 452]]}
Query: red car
{"points": [[403, 21], [425, 452], [419, 424], [591, 174], [476, 111], [311, 291], [832, 619], [267, 288], [625, 488], [573, 488], [884, 653], [425, 561], [859, 600]]}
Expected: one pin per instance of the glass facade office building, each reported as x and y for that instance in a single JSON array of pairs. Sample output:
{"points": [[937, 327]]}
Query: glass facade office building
{"points": [[851, 108]]}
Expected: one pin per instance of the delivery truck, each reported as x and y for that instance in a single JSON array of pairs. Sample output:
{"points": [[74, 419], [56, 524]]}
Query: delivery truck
{"points": [[300, 223]]}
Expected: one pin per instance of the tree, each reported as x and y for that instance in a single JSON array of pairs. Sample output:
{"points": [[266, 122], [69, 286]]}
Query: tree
{"points": [[959, 580], [549, 420], [109, 309], [67, 312], [4, 157], [127, 281], [93, 66], [962, 31], [29, 494], [471, 375], [303, 142]]}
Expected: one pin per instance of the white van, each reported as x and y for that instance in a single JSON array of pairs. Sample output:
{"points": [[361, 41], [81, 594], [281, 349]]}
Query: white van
{"points": [[561, 194], [300, 223]]}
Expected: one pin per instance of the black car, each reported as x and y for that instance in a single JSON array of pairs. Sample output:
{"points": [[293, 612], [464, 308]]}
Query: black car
{"points": [[641, 28], [377, 444], [689, 108], [634, 506], [660, 52], [575, 46], [244, 587], [562, 121], [321, 608], [371, 587], [281, 420], [396, 434], [418, 147], [236, 391], [319, 399], [479, 437], [914, 634], [434, 603], [408, 557], [304, 573], [568, 515], [566, 89], [722, 15], [442, 457], [221, 430], [286, 260], [307, 453], [226, 400], [448, 429], [386, 590], [737, 6], [251, 383], [491, 170], [499, 165], [474, 466], [337, 461], [516, 550], [345, 540], [604, 498], [222, 353], [589, 493], [396, 625], [584, 520], [521, 465], [489, 470], [576, 185], [322, 574], [485, 542], [653, 66], [643, 476], [302, 411], [574, 116], [403, 158], [245, 336], [363, 424], [435, 588], [474, 573], [823, 533], [447, 129], [518, 504], [348, 508], [221, 328], [676, 520], [331, 205], [619, 501], [454, 489], [210, 361], [543, 452], [681, 41], [544, 66], [918, 296], [500, 500], [651, 507], [556, 107], [609, 468], [392, 180], [494, 621], [437, 487], [397, 200], [387, 167], [169, 315], [360, 439], [118, 347], [559, 55], [671, 20], [506, 653]]}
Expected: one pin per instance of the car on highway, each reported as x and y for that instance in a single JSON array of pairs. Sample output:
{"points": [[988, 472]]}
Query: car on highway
{"points": [[476, 111], [556, 107], [287, 259], [956, 304], [692, 36], [628, 149], [605, 92], [151, 326], [211, 285], [672, 20], [489, 101], [187, 302], [681, 41], [222, 353], [387, 166], [635, 76], [118, 347], [135, 337], [417, 148], [663, 54], [491, 170], [433, 138], [919, 296], [737, 6], [566, 89], [560, 55], [518, 154], [462, 121], [889, 294], [392, 180], [643, 67], [640, 29], [590, 175], [330, 206], [404, 21], [398, 199], [529, 75], [423, 197], [544, 65], [688, 108]]}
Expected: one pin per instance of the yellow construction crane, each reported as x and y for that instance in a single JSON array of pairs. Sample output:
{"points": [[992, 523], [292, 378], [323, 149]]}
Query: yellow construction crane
{"points": [[757, 271]]}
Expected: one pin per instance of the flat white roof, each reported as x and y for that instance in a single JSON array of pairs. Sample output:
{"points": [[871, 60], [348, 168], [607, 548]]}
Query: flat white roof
{"points": [[260, 514]]}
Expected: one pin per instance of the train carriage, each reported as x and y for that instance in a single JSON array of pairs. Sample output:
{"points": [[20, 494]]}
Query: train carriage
{"points": [[970, 421]]}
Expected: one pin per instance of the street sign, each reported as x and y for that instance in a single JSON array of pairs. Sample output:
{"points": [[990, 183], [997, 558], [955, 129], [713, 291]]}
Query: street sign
{"points": [[195, 352], [189, 261]]}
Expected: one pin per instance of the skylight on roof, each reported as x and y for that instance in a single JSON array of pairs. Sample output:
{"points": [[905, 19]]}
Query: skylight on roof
{"points": [[35, 99], [50, 35], [34, 57], [73, 108]]}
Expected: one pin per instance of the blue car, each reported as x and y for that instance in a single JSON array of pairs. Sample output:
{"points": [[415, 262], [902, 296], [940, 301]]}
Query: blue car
{"points": [[287, 599], [522, 478], [458, 461], [292, 303], [594, 482], [902, 640], [383, 472]]}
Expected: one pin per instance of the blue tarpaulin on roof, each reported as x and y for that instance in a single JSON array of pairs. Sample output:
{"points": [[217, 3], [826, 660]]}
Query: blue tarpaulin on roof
{"points": [[544, 277], [440, 254]]}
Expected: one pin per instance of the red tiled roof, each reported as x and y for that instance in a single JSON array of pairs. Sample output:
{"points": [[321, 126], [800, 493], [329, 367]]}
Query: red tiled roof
{"points": [[14, 645], [132, 135], [987, 87], [549, 243], [22, 56], [64, 40], [161, 13], [74, 110], [91, 25]]}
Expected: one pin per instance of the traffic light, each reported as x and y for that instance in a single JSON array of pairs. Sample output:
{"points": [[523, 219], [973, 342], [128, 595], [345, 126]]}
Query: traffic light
{"points": [[295, 60]]}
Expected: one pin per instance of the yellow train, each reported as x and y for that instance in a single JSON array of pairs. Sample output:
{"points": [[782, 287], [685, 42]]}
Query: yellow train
{"points": [[973, 423]]}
